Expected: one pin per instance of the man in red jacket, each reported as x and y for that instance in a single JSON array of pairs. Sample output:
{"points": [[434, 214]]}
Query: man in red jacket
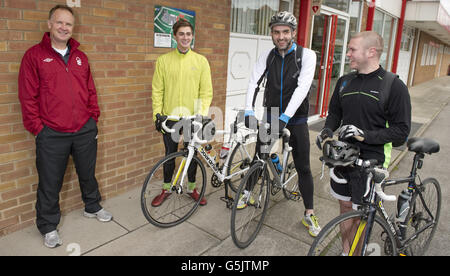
{"points": [[59, 106]]}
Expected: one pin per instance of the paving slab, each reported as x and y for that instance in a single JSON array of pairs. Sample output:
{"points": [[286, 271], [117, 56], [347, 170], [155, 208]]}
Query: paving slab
{"points": [[149, 240]]}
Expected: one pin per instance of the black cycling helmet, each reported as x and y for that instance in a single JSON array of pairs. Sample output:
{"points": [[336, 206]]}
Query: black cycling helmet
{"points": [[338, 153], [283, 18]]}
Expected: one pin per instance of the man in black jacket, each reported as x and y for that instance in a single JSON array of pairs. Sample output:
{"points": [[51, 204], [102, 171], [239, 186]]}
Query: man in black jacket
{"points": [[371, 117], [289, 70]]}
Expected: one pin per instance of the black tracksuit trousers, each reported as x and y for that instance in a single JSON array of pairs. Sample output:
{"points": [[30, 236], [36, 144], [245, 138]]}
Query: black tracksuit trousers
{"points": [[52, 154]]}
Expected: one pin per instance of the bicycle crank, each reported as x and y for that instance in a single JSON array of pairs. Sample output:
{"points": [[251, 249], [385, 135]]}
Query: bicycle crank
{"points": [[177, 189], [215, 182]]}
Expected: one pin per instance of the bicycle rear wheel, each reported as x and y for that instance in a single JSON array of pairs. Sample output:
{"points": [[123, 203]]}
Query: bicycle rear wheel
{"points": [[175, 205], [253, 194], [239, 160], [337, 237], [424, 215]]}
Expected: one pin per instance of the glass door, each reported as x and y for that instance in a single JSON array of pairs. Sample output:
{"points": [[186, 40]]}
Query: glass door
{"points": [[329, 40]]}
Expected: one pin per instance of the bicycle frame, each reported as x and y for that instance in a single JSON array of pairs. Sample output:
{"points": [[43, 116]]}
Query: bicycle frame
{"points": [[196, 145], [376, 204], [279, 178]]}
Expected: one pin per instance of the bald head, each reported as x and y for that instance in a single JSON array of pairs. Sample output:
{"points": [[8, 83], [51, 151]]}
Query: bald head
{"points": [[371, 39]]}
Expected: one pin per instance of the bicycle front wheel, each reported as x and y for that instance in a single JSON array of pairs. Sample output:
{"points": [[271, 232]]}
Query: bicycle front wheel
{"points": [[344, 235], [165, 201], [424, 215], [250, 205], [239, 160]]}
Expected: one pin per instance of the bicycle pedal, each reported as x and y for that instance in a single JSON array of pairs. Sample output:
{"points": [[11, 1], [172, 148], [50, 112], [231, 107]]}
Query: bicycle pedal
{"points": [[295, 196], [228, 200]]}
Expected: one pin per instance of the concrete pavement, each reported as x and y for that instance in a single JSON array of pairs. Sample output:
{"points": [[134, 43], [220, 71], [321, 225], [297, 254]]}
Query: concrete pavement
{"points": [[207, 232]]}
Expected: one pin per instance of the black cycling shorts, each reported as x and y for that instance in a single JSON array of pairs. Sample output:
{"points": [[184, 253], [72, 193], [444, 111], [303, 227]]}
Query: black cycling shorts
{"points": [[355, 187]]}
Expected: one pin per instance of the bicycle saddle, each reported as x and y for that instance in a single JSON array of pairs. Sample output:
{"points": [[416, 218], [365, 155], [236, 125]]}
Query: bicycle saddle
{"points": [[423, 145]]}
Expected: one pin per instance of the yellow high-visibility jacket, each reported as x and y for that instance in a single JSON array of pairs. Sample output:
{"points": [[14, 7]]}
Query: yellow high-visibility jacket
{"points": [[181, 84]]}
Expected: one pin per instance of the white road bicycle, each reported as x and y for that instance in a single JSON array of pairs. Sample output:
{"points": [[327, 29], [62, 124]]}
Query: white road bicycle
{"points": [[178, 206]]}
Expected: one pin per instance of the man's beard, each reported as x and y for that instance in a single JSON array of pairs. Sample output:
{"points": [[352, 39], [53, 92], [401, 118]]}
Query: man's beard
{"points": [[284, 50]]}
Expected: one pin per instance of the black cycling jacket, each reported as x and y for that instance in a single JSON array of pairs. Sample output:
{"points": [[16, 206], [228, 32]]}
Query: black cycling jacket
{"points": [[286, 87], [358, 104]]}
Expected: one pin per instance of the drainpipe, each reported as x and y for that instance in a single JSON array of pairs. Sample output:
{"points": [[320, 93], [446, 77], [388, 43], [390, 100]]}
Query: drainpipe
{"points": [[304, 22], [370, 16], [398, 39]]}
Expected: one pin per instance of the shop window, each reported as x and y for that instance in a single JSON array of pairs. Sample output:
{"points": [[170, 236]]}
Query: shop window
{"points": [[386, 26], [253, 17], [356, 9], [341, 5], [407, 38]]}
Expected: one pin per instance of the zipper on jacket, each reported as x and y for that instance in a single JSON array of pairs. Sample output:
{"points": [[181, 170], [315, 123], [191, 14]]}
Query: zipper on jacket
{"points": [[70, 84], [281, 94], [293, 48]]}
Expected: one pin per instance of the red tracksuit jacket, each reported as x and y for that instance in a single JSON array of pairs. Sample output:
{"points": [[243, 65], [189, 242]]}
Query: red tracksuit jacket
{"points": [[62, 97]]}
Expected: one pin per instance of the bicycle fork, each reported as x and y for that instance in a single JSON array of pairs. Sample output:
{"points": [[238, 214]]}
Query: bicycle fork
{"points": [[364, 229], [183, 170]]}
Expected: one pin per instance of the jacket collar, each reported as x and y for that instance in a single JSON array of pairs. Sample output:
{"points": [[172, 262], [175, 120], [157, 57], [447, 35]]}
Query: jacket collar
{"points": [[379, 72], [181, 55], [46, 42], [293, 48]]}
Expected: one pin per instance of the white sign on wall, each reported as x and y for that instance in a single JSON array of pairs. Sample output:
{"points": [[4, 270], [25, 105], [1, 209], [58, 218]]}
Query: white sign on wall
{"points": [[73, 3]]}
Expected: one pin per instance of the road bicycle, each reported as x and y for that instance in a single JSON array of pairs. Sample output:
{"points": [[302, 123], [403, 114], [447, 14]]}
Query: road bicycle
{"points": [[183, 165], [264, 178], [371, 231], [241, 143]]}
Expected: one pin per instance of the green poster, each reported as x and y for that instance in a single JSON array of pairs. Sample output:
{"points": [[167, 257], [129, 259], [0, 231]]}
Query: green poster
{"points": [[165, 17]]}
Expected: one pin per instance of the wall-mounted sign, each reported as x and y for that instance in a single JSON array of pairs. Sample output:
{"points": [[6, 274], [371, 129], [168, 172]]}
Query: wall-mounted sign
{"points": [[165, 17], [315, 7], [74, 3]]}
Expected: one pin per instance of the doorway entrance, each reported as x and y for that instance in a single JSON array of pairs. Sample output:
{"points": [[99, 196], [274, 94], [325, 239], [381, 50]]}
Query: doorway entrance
{"points": [[329, 42]]}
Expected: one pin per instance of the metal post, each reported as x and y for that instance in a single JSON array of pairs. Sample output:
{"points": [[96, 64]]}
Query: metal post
{"points": [[304, 22], [370, 16], [398, 39]]}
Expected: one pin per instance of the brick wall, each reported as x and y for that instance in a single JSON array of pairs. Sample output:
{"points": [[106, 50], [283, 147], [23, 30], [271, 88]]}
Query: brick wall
{"points": [[426, 72], [117, 36]]}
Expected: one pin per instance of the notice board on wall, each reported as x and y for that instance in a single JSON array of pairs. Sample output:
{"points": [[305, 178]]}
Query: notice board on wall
{"points": [[165, 17]]}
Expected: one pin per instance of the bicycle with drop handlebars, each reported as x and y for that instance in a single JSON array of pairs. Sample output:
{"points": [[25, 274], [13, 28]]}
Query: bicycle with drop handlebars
{"points": [[366, 233], [177, 168], [263, 179]]}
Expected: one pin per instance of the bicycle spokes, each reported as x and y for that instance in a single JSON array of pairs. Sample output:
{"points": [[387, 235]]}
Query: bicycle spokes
{"points": [[165, 204]]}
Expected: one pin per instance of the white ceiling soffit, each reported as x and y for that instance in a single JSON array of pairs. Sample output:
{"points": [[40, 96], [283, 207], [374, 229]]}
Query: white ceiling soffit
{"points": [[430, 17]]}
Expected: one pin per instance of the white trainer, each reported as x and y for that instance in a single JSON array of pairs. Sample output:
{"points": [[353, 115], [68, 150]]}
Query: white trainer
{"points": [[52, 239], [312, 223], [102, 215]]}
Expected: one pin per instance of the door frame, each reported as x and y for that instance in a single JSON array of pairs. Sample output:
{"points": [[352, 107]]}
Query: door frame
{"points": [[326, 60]]}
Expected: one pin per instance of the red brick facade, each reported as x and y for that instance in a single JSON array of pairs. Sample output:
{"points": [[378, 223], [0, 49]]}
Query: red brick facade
{"points": [[117, 37]]}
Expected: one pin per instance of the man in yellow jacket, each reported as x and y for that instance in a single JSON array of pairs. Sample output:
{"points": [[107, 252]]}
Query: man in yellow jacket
{"points": [[181, 86]]}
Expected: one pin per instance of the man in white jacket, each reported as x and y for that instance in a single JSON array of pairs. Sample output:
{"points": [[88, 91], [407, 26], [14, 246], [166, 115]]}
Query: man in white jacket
{"points": [[289, 70]]}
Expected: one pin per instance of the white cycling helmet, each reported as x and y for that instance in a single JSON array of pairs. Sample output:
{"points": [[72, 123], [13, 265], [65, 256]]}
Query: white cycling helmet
{"points": [[283, 18]]}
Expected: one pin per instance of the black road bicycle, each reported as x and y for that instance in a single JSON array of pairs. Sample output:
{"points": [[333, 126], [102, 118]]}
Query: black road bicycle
{"points": [[370, 231], [262, 180]]}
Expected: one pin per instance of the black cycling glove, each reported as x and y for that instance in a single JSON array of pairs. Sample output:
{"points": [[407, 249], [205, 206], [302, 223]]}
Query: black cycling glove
{"points": [[323, 134]]}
